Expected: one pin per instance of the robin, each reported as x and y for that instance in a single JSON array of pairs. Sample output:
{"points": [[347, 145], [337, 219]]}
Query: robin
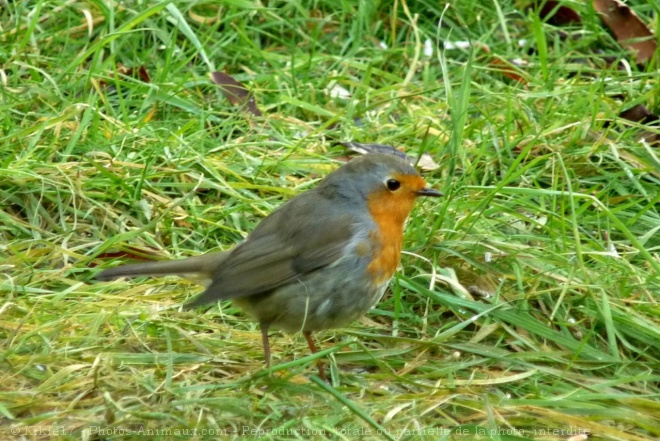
{"points": [[319, 261]]}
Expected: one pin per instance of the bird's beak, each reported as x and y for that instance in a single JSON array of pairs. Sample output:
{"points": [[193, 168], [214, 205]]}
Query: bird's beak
{"points": [[429, 192]]}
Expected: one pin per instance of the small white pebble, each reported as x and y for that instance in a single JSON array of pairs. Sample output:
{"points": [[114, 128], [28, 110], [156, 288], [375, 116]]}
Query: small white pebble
{"points": [[428, 48], [451, 45], [334, 90], [611, 250], [143, 204]]}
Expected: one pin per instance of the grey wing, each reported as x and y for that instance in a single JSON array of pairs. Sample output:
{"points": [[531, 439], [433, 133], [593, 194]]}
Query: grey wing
{"points": [[281, 251]]}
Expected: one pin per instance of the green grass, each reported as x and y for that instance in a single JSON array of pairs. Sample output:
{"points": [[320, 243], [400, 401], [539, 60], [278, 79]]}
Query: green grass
{"points": [[527, 307]]}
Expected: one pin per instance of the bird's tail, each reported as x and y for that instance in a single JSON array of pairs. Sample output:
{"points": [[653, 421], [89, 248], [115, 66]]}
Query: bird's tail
{"points": [[199, 268]]}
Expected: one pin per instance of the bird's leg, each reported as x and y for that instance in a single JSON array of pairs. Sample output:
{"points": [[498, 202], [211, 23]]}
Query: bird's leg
{"points": [[312, 347], [266, 342]]}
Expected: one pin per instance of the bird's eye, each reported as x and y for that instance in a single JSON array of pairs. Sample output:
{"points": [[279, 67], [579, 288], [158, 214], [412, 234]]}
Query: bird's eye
{"points": [[392, 184]]}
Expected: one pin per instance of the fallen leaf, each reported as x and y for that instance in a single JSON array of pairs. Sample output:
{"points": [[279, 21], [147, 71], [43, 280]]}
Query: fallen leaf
{"points": [[134, 72], [557, 14], [508, 69], [235, 92], [629, 30], [334, 90], [639, 114], [108, 89], [426, 163]]}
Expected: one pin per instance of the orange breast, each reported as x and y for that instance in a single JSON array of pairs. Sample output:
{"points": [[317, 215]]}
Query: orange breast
{"points": [[389, 211], [387, 254]]}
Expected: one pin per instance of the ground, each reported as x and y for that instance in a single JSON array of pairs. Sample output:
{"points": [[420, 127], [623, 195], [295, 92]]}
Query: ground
{"points": [[525, 307]]}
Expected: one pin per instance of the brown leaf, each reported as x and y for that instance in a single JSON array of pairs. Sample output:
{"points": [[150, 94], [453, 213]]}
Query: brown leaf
{"points": [[504, 67], [139, 72], [557, 14], [109, 89], [508, 69], [629, 30], [134, 72], [235, 92], [142, 74], [639, 114]]}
